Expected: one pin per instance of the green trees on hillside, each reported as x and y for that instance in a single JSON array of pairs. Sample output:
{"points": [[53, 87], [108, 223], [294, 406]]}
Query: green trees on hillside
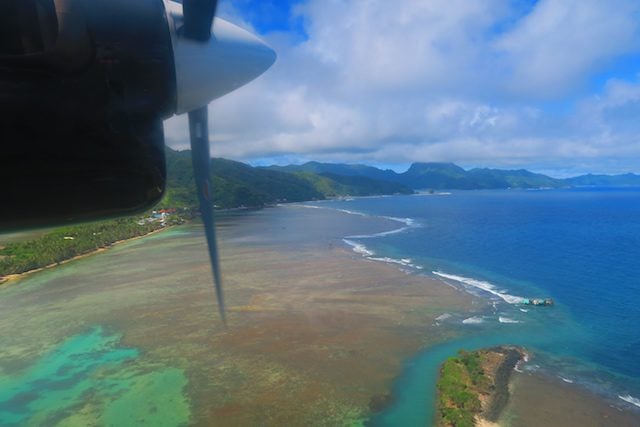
{"points": [[236, 184]]}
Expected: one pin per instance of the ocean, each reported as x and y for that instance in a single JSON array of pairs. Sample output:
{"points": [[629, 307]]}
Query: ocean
{"points": [[130, 334], [580, 247]]}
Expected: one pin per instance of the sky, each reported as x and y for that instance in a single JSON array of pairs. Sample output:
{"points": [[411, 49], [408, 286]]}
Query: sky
{"points": [[550, 85]]}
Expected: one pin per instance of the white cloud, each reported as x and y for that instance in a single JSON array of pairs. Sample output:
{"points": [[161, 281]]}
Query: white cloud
{"points": [[555, 48], [454, 80]]}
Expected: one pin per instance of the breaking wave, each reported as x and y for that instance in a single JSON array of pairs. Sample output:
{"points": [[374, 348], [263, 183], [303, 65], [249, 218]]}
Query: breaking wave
{"points": [[503, 319], [347, 211], [630, 399], [473, 320], [443, 316], [482, 285], [359, 248], [408, 223]]}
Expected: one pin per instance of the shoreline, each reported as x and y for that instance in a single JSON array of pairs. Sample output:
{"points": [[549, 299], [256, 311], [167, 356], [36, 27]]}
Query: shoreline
{"points": [[630, 415], [533, 398], [315, 332], [314, 326], [361, 252], [474, 387], [13, 278]]}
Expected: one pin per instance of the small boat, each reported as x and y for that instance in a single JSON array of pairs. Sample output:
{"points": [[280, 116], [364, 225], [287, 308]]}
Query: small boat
{"points": [[538, 301]]}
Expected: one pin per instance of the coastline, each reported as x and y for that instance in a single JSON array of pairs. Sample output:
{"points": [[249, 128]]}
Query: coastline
{"points": [[473, 386], [316, 331], [12, 278], [524, 398], [613, 412]]}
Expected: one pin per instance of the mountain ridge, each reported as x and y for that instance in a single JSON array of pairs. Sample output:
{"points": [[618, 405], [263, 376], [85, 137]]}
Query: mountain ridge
{"points": [[441, 175], [236, 184]]}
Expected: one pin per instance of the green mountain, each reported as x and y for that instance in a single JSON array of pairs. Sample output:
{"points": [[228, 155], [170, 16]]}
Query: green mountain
{"points": [[236, 184], [521, 178], [451, 176], [340, 169], [623, 180], [435, 176], [334, 185]]}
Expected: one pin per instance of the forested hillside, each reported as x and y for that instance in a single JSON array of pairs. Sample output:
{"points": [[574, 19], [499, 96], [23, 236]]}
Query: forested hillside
{"points": [[236, 184]]}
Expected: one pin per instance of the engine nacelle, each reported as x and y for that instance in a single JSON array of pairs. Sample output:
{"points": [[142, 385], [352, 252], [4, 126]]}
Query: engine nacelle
{"points": [[84, 87]]}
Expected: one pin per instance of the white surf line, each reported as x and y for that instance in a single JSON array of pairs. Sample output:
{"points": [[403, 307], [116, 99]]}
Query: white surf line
{"points": [[503, 319], [474, 320], [361, 249], [482, 285], [630, 399]]}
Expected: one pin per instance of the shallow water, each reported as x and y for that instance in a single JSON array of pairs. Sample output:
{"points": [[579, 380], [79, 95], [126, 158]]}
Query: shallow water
{"points": [[131, 335], [110, 334], [90, 379]]}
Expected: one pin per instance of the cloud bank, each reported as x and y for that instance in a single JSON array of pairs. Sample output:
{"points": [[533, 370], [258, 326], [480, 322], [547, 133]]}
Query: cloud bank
{"points": [[549, 86]]}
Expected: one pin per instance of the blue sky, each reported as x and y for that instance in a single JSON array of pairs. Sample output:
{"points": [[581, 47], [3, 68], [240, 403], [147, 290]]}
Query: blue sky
{"points": [[551, 85]]}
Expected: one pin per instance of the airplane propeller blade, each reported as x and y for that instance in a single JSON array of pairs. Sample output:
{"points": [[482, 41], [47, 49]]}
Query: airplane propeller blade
{"points": [[208, 67], [198, 18], [199, 133]]}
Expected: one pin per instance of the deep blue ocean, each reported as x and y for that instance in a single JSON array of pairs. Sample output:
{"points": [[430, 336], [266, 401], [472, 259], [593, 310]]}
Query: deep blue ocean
{"points": [[580, 247]]}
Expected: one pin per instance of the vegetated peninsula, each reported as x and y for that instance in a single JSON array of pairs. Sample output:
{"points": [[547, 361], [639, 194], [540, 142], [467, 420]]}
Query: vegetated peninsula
{"points": [[474, 386]]}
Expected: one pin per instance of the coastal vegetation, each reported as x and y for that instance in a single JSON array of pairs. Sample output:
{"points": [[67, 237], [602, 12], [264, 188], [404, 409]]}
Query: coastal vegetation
{"points": [[235, 185], [65, 243], [475, 384], [461, 378]]}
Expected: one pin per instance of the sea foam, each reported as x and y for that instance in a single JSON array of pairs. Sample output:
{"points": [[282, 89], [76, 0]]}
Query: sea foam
{"points": [[408, 222], [473, 320], [482, 285], [503, 319], [443, 316], [359, 248], [368, 253], [630, 399], [347, 211]]}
